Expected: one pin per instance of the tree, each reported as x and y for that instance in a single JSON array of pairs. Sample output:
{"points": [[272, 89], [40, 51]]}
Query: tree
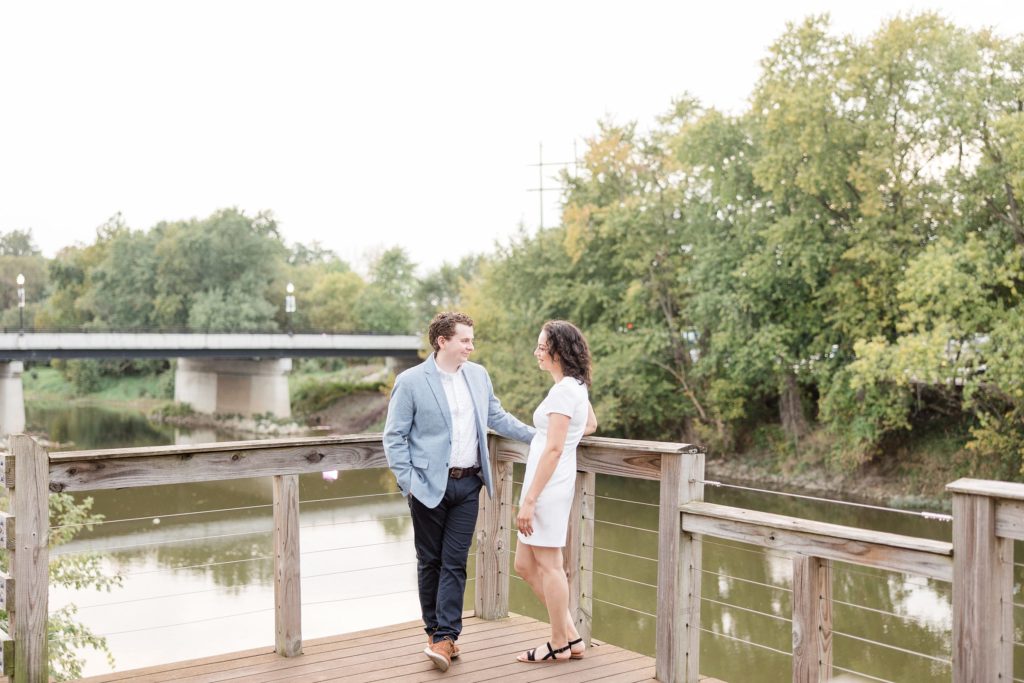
{"points": [[333, 301], [385, 305]]}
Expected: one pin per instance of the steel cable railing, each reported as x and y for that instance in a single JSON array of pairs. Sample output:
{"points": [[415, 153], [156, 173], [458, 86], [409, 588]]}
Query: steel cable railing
{"points": [[934, 516]]}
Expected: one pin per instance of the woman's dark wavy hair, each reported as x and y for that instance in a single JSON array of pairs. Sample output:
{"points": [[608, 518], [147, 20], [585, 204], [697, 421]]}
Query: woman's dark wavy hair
{"points": [[569, 347]]}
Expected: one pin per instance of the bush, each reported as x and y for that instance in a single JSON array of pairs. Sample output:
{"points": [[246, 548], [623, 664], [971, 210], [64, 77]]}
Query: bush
{"points": [[312, 396]]}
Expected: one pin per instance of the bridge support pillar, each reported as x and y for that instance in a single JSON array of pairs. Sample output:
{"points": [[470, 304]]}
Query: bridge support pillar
{"points": [[12, 398], [245, 387]]}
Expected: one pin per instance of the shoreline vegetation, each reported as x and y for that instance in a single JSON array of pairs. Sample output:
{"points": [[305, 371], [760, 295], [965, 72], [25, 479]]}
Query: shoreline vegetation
{"points": [[354, 399], [344, 399]]}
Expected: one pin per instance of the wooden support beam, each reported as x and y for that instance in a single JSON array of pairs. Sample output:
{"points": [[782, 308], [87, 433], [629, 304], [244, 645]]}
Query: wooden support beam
{"points": [[812, 619], [982, 593], [30, 561], [493, 541], [287, 574], [677, 641], [579, 555]]}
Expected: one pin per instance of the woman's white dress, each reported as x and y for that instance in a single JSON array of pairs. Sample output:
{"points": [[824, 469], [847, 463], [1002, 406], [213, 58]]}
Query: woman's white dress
{"points": [[551, 513]]}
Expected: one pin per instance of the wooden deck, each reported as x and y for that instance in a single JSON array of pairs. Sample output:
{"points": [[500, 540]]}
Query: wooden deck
{"points": [[395, 653]]}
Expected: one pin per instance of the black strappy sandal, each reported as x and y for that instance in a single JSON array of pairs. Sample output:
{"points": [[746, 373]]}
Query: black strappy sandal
{"points": [[531, 655], [576, 655]]}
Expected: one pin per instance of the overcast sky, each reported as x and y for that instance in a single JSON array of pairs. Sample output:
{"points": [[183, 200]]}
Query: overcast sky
{"points": [[359, 124]]}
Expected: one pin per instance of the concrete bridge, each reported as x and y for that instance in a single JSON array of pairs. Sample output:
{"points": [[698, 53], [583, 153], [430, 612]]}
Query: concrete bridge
{"points": [[216, 373]]}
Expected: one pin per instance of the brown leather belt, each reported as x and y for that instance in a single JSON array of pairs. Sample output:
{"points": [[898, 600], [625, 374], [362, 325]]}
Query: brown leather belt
{"points": [[460, 472]]}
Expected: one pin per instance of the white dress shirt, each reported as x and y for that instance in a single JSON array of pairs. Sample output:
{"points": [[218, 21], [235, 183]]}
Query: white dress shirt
{"points": [[465, 447]]}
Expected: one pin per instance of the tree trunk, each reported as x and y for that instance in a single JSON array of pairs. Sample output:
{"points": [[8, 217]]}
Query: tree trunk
{"points": [[791, 408]]}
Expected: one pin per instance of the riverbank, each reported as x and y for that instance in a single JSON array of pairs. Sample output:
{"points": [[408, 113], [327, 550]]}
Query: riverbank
{"points": [[910, 473], [345, 400], [354, 399]]}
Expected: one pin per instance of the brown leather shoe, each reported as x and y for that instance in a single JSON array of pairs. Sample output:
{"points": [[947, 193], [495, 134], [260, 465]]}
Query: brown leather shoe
{"points": [[440, 653], [455, 646]]}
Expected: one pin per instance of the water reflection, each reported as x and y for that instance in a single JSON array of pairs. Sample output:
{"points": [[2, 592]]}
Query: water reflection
{"points": [[89, 427]]}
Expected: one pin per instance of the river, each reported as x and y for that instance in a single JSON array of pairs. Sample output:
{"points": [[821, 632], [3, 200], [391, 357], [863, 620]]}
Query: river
{"points": [[198, 577]]}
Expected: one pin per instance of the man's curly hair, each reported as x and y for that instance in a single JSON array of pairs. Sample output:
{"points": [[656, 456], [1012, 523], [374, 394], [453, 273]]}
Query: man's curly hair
{"points": [[443, 325]]}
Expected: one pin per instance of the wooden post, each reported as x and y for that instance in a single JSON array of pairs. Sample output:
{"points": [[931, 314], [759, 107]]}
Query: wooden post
{"points": [[677, 648], [493, 542], [812, 619], [579, 555], [30, 561], [287, 571], [982, 593]]}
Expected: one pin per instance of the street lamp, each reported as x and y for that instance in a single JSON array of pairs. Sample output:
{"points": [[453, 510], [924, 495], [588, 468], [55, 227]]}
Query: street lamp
{"points": [[289, 305], [21, 303]]}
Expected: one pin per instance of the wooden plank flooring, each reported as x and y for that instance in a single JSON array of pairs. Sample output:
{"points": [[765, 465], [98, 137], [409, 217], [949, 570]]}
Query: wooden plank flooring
{"points": [[395, 653]]}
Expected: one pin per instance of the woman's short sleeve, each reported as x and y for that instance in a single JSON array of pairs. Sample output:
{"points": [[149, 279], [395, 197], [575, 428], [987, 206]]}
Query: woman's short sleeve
{"points": [[562, 400]]}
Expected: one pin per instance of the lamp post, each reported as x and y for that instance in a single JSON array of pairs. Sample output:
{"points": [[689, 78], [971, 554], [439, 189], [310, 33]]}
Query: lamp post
{"points": [[21, 303], [289, 305]]}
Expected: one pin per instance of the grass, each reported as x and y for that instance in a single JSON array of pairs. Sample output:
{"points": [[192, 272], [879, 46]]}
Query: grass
{"points": [[47, 384]]}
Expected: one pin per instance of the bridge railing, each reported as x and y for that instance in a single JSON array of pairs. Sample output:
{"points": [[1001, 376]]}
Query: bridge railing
{"points": [[987, 517]]}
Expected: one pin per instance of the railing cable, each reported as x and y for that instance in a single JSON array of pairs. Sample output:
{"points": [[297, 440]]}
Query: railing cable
{"points": [[631, 609], [620, 578], [350, 547], [250, 612], [167, 516], [934, 516], [622, 500], [626, 526], [912, 617], [155, 543], [763, 552], [861, 673], [186, 623], [367, 495], [891, 647], [744, 641], [880, 577], [736, 578], [352, 521], [619, 552], [747, 609], [200, 566]]}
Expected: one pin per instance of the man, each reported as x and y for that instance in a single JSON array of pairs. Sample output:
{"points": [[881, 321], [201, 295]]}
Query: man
{"points": [[435, 439]]}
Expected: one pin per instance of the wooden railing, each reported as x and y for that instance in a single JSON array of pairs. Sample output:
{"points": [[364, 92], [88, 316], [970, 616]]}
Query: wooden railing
{"points": [[988, 516]]}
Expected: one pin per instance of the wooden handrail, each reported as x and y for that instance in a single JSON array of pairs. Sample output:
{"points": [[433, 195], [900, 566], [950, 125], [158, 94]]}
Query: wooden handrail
{"points": [[987, 516], [879, 549]]}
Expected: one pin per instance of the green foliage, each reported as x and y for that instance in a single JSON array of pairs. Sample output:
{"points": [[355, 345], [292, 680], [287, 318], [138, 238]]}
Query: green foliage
{"points": [[385, 305], [173, 409], [84, 375], [76, 571], [333, 301], [848, 250], [313, 395]]}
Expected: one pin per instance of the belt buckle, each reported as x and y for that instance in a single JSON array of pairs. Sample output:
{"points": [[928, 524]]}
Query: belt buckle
{"points": [[456, 472]]}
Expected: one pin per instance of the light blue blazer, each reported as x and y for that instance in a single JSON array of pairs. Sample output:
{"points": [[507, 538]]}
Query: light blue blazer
{"points": [[418, 431]]}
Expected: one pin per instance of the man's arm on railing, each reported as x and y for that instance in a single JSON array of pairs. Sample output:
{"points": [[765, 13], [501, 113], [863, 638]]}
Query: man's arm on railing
{"points": [[504, 422]]}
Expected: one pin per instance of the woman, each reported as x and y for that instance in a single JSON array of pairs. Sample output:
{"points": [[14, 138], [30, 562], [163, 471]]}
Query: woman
{"points": [[562, 419]]}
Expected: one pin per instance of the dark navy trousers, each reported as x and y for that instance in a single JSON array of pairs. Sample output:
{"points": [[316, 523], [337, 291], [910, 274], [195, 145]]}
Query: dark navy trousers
{"points": [[442, 537]]}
